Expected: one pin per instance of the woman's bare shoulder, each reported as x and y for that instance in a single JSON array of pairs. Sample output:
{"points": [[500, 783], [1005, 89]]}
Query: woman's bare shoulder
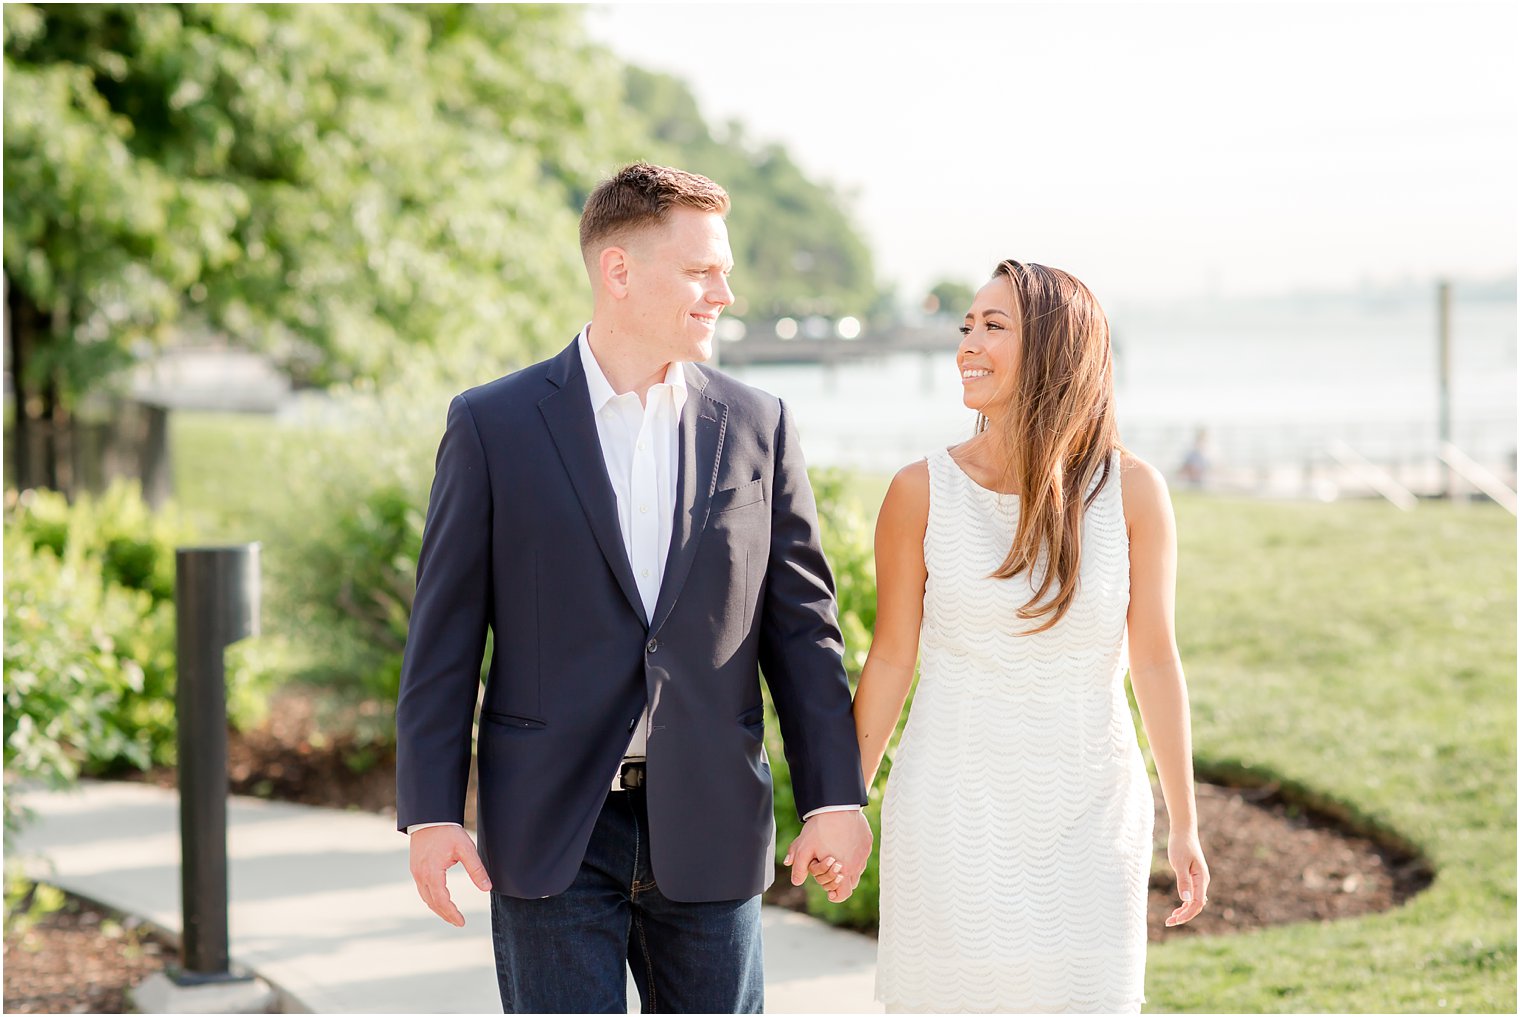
{"points": [[907, 502], [1145, 493]]}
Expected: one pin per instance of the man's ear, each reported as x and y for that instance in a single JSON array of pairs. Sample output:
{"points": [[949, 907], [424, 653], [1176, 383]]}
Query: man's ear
{"points": [[614, 266]]}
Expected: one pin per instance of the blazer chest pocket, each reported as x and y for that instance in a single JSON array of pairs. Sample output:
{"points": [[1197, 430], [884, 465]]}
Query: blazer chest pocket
{"points": [[738, 497]]}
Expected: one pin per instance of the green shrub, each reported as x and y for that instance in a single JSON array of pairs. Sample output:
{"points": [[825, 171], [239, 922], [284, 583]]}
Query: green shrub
{"points": [[89, 638], [358, 576], [849, 545], [336, 501], [133, 544], [88, 670], [340, 548], [27, 904]]}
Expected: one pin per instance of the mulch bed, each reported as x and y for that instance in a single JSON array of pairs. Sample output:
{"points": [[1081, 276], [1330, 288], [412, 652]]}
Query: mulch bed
{"points": [[1271, 860], [80, 959]]}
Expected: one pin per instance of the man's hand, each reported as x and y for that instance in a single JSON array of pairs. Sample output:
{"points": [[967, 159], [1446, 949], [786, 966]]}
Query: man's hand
{"points": [[434, 852], [827, 840]]}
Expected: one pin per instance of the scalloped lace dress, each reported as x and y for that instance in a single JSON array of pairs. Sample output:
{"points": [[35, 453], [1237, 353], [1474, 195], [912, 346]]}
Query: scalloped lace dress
{"points": [[1016, 828]]}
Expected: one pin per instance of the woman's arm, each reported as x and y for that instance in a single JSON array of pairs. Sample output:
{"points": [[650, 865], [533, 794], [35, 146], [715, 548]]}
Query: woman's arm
{"points": [[1155, 670], [900, 578]]}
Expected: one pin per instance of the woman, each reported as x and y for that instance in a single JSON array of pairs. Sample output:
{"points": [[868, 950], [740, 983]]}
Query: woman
{"points": [[1016, 829]]}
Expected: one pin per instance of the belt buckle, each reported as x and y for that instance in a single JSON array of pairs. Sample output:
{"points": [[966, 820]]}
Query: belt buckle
{"points": [[630, 775]]}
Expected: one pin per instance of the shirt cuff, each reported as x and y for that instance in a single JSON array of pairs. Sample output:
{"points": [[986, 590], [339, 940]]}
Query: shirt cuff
{"points": [[423, 826], [829, 808]]}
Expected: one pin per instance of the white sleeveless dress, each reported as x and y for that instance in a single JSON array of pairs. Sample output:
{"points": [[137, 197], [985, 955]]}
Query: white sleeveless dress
{"points": [[1016, 828]]}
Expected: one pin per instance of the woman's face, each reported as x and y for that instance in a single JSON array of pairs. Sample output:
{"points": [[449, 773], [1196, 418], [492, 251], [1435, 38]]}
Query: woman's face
{"points": [[988, 354]]}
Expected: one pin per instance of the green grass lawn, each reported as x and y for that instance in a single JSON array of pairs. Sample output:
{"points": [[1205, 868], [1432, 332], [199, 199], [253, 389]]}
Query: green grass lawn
{"points": [[226, 469], [1366, 655]]}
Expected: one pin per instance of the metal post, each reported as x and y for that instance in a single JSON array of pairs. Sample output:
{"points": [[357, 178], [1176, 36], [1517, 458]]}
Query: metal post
{"points": [[1443, 345], [216, 598]]}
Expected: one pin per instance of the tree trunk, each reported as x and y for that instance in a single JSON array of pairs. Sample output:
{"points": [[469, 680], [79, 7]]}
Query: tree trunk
{"points": [[24, 320], [60, 439], [44, 421]]}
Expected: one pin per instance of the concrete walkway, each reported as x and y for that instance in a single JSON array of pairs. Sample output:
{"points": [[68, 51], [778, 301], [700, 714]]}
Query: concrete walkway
{"points": [[322, 906]]}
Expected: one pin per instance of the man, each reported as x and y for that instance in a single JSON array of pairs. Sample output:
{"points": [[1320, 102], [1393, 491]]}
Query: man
{"points": [[639, 535]]}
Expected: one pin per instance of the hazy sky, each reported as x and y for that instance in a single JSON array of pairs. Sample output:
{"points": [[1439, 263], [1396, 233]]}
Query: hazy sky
{"points": [[1155, 150]]}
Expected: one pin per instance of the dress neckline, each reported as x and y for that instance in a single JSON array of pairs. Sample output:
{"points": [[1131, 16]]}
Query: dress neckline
{"points": [[972, 480]]}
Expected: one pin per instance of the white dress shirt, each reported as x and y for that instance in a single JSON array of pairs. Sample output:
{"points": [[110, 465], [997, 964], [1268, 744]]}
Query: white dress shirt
{"points": [[640, 449]]}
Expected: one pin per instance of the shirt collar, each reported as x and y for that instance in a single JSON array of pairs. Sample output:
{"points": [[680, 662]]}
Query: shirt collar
{"points": [[600, 388]]}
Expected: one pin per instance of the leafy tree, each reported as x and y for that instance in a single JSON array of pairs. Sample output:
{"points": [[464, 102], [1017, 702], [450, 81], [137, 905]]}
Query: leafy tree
{"points": [[343, 187], [366, 193]]}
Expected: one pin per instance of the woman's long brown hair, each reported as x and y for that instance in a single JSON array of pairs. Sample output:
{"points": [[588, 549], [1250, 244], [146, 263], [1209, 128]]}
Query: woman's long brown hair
{"points": [[1058, 429]]}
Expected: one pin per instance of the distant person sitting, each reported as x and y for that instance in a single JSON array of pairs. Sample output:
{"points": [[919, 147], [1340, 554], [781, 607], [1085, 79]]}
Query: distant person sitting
{"points": [[1195, 465]]}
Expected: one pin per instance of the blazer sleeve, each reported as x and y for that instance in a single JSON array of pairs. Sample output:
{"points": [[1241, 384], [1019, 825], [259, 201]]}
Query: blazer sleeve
{"points": [[440, 670], [801, 649]]}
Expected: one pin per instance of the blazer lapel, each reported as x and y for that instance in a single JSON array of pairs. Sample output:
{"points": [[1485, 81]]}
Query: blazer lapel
{"points": [[701, 448], [567, 412]]}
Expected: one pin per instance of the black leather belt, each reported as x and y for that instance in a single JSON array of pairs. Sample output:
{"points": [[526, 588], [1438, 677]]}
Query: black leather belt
{"points": [[630, 777]]}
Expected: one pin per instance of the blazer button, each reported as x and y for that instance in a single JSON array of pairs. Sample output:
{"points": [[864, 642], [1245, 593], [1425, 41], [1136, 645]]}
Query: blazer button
{"points": [[654, 644]]}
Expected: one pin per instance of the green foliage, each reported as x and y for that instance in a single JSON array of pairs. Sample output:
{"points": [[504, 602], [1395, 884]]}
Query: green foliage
{"points": [[89, 638], [341, 542], [351, 187], [133, 544], [341, 186], [88, 670], [848, 543], [795, 249], [28, 903], [358, 575]]}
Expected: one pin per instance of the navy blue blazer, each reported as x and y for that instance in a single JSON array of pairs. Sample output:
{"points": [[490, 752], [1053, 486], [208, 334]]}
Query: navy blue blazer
{"points": [[522, 538]]}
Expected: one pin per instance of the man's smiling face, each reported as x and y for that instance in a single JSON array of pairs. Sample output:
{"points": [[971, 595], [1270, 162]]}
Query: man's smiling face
{"points": [[678, 283]]}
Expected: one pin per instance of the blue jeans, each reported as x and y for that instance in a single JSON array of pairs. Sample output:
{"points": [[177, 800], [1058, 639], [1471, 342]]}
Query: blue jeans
{"points": [[567, 953]]}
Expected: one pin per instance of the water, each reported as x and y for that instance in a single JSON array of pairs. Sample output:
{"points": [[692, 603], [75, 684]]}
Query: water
{"points": [[1272, 382]]}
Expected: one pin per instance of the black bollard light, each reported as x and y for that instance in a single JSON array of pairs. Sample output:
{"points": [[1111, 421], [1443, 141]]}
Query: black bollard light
{"points": [[216, 601]]}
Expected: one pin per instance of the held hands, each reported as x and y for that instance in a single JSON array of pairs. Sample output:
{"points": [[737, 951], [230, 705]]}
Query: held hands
{"points": [[834, 847], [1186, 856], [434, 851], [829, 874]]}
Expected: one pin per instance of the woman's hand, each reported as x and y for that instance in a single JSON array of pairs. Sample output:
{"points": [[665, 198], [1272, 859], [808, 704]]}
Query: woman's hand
{"points": [[829, 874], [1186, 856]]}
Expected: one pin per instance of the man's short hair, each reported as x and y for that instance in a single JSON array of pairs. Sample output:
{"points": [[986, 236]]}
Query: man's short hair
{"points": [[640, 196]]}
